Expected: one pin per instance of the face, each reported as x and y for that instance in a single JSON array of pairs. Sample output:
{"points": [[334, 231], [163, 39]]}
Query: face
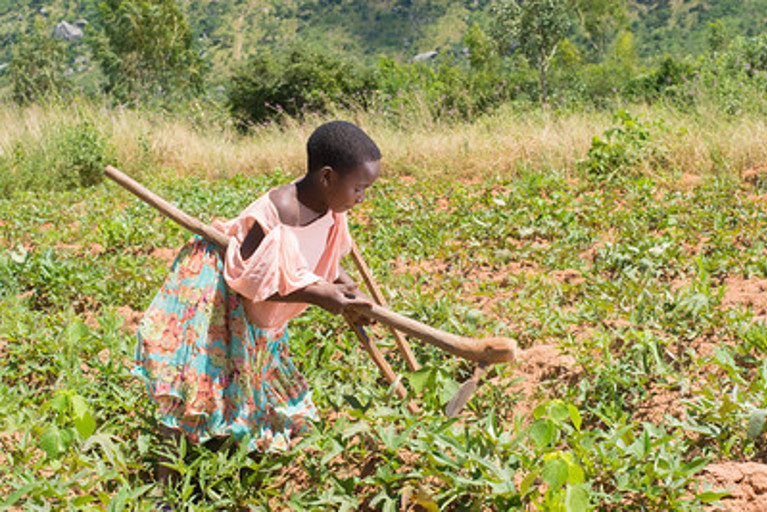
{"points": [[347, 190]]}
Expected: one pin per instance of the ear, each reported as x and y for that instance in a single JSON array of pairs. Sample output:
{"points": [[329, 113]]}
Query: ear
{"points": [[328, 175]]}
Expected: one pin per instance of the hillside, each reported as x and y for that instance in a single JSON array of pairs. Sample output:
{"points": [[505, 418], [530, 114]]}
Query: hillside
{"points": [[228, 31]]}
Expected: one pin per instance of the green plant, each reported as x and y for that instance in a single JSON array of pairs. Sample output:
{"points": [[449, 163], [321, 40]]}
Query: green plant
{"points": [[146, 50], [537, 26], [38, 67], [68, 155], [629, 146], [298, 81]]}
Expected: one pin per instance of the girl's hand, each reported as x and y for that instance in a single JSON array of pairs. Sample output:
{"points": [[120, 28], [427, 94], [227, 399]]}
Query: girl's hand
{"points": [[353, 292], [337, 297], [351, 288]]}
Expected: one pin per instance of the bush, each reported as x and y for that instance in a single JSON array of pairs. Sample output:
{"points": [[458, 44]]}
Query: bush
{"points": [[66, 156], [446, 90], [298, 81], [627, 148], [146, 51], [304, 80], [38, 68], [669, 79]]}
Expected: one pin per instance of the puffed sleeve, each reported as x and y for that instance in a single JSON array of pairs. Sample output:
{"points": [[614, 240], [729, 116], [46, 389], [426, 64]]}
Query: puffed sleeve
{"points": [[276, 266]]}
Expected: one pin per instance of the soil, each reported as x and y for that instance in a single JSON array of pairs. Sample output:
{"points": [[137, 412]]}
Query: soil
{"points": [[748, 293], [132, 319], [164, 254], [746, 481], [537, 364], [545, 363]]}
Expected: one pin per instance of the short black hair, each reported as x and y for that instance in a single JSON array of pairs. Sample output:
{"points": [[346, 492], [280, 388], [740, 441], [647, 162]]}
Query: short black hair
{"points": [[341, 145]]}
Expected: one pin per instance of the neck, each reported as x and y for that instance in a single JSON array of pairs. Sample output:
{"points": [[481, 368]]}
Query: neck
{"points": [[307, 195]]}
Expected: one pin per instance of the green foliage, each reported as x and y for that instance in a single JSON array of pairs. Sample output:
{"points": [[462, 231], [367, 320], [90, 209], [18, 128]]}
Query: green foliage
{"points": [[38, 68], [645, 307], [626, 148], [67, 155], [441, 91], [298, 81], [482, 49], [601, 21], [146, 50], [669, 79], [537, 27]]}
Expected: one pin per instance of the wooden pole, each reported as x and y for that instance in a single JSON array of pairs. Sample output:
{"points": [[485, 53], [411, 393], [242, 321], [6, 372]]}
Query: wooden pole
{"points": [[221, 240], [490, 350], [375, 293]]}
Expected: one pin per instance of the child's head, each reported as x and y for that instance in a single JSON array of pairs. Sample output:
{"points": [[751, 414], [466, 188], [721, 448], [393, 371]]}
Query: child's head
{"points": [[341, 146], [345, 160]]}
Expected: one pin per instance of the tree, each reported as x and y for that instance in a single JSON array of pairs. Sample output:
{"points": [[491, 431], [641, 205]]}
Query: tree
{"points": [[38, 69], [535, 27], [601, 21], [481, 47], [299, 80], [146, 50]]}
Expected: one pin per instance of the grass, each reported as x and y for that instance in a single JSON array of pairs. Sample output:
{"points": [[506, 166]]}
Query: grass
{"points": [[639, 369], [202, 143]]}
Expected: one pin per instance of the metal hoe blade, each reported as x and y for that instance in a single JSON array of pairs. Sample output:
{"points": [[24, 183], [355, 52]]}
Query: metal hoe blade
{"points": [[465, 391]]}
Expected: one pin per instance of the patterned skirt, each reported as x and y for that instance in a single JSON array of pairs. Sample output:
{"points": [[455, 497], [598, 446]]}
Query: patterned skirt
{"points": [[211, 372]]}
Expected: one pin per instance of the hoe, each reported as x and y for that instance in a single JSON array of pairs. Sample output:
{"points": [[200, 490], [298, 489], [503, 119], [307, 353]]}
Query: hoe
{"points": [[483, 351]]}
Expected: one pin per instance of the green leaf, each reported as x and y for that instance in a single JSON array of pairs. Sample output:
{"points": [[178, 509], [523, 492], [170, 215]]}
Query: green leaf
{"points": [[559, 411], [110, 446], [83, 419], [527, 482], [447, 390], [542, 432], [756, 423], [575, 416], [712, 496], [577, 498], [51, 442], [555, 473], [81, 501], [575, 474], [60, 402], [76, 332], [419, 380]]}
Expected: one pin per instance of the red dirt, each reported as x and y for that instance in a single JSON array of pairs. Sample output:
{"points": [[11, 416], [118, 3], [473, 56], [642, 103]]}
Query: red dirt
{"points": [[755, 173], [746, 481], [689, 181], [746, 292], [164, 254], [132, 318], [568, 276], [537, 364]]}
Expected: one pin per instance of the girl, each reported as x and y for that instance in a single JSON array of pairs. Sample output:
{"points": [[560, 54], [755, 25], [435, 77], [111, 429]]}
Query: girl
{"points": [[213, 345]]}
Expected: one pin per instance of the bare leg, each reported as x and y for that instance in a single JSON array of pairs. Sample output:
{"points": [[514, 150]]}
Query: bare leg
{"points": [[165, 475]]}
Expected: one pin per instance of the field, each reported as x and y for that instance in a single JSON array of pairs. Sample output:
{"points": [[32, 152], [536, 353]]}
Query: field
{"points": [[630, 269]]}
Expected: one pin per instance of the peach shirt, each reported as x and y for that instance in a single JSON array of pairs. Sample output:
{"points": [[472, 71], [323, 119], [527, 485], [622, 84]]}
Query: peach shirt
{"points": [[289, 258]]}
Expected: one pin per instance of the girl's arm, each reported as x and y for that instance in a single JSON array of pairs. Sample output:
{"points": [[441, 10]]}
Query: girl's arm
{"points": [[351, 287], [334, 297], [329, 296]]}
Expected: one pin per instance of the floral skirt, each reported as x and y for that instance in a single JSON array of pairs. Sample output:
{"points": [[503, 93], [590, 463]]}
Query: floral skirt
{"points": [[211, 372]]}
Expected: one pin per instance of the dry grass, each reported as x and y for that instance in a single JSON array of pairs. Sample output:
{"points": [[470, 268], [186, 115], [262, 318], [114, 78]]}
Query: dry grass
{"points": [[491, 145]]}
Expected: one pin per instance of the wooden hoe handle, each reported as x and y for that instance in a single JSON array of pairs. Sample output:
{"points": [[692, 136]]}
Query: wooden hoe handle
{"points": [[489, 350], [375, 292]]}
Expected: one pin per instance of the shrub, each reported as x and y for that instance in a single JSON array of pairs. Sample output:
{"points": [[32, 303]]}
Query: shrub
{"points": [[298, 81], [146, 50], [626, 148], [66, 156], [668, 79], [446, 90], [38, 68]]}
